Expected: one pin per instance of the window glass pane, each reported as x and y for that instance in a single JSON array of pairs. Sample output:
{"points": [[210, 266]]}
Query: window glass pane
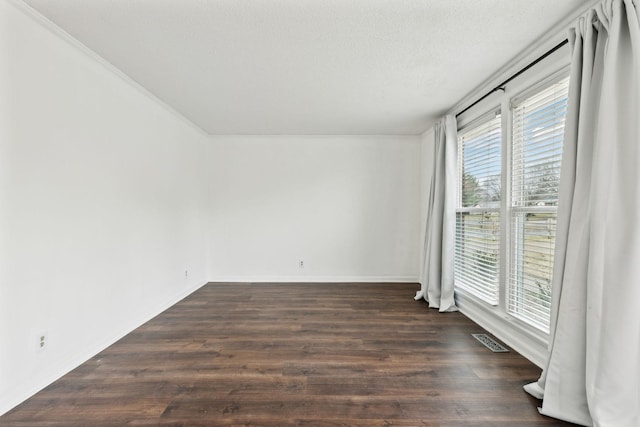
{"points": [[477, 259], [479, 165], [538, 131], [533, 242]]}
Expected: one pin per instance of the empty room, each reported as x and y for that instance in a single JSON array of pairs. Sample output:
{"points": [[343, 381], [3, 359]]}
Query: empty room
{"points": [[319, 213]]}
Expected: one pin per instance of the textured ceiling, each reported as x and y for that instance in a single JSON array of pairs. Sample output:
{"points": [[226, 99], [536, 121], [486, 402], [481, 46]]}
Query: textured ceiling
{"points": [[308, 66]]}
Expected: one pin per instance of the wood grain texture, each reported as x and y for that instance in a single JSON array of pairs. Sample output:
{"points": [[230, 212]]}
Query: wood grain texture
{"points": [[294, 355]]}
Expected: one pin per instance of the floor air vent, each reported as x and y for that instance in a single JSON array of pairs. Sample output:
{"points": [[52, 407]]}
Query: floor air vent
{"points": [[490, 343]]}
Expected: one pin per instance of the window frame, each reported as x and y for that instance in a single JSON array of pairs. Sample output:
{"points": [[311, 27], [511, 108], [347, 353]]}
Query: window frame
{"points": [[555, 67], [515, 101]]}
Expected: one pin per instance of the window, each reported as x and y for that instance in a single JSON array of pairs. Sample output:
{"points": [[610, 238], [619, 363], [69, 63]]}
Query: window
{"points": [[507, 203], [538, 129], [478, 212]]}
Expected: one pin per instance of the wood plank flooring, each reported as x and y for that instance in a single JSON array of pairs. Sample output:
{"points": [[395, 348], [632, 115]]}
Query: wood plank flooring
{"points": [[294, 355]]}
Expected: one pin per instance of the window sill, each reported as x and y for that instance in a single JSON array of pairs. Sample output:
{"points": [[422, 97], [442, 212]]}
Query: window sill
{"points": [[529, 343]]}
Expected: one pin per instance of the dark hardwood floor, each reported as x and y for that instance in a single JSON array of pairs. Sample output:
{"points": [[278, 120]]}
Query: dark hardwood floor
{"points": [[294, 355]]}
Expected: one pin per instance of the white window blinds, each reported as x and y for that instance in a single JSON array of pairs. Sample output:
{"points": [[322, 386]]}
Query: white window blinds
{"points": [[477, 258], [538, 130]]}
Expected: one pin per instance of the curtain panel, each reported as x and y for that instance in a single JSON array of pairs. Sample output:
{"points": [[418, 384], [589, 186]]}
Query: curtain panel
{"points": [[436, 278], [592, 373]]}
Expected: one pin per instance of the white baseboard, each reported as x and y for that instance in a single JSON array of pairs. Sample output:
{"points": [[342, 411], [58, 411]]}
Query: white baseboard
{"points": [[314, 279], [529, 345], [67, 363]]}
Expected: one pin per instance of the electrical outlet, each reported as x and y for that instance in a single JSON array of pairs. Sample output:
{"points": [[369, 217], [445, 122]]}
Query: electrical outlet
{"points": [[186, 274], [42, 342], [301, 263]]}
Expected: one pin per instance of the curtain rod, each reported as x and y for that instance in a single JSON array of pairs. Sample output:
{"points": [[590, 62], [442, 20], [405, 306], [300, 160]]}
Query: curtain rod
{"points": [[501, 85]]}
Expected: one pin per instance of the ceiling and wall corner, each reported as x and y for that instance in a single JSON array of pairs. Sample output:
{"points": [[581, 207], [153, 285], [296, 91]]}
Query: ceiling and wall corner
{"points": [[341, 67], [550, 39]]}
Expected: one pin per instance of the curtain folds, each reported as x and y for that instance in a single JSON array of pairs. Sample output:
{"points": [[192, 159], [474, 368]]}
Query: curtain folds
{"points": [[436, 276], [592, 373]]}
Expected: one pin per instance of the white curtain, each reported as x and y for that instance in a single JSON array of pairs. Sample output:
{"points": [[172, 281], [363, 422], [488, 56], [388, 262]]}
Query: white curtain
{"points": [[592, 374], [436, 278]]}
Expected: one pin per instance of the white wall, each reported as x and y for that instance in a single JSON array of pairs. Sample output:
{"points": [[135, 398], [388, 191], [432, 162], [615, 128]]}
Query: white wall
{"points": [[102, 205], [349, 206]]}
